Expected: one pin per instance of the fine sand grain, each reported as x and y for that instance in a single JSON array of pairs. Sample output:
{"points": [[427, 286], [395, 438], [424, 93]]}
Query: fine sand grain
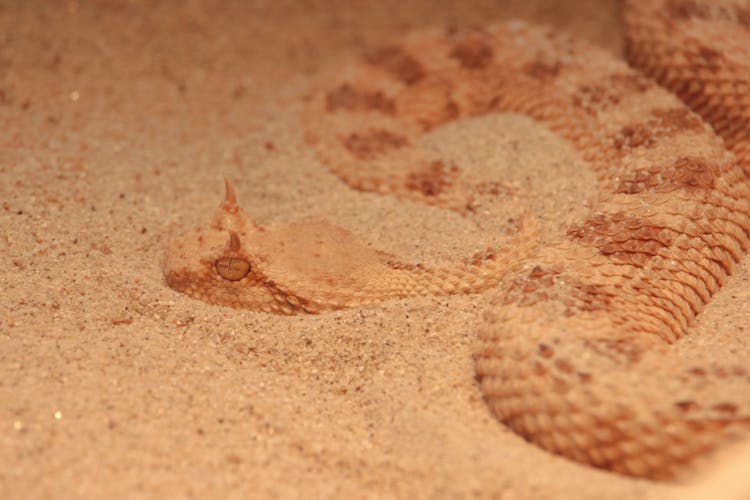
{"points": [[119, 120]]}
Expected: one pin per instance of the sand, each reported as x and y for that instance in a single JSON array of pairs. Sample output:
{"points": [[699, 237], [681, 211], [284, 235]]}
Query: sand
{"points": [[119, 120]]}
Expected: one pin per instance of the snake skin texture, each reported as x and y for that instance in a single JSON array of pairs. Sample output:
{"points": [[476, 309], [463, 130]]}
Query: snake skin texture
{"points": [[314, 266], [577, 325]]}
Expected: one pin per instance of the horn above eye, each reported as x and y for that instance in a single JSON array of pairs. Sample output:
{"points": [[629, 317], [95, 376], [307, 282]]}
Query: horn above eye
{"points": [[231, 198], [234, 241]]}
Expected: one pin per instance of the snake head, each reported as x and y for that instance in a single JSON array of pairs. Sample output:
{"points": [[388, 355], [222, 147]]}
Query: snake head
{"points": [[225, 263]]}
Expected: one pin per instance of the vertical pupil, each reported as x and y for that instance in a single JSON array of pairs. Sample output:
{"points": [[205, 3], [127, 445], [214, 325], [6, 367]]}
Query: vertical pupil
{"points": [[232, 269]]}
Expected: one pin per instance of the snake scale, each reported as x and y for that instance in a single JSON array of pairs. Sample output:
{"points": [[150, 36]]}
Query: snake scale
{"points": [[575, 325]]}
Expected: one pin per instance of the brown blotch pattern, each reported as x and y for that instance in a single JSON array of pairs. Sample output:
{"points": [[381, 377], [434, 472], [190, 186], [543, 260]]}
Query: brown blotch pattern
{"points": [[687, 9], [397, 62], [619, 351], [675, 119], [712, 59], [686, 173], [587, 297], [586, 309], [564, 366], [726, 408], [449, 112], [473, 53], [622, 236], [575, 296], [494, 188], [531, 289], [351, 99], [743, 16], [633, 83], [733, 371], [481, 257], [546, 351], [373, 143], [687, 406], [403, 266], [542, 70], [593, 98], [433, 179], [662, 123], [596, 97]]}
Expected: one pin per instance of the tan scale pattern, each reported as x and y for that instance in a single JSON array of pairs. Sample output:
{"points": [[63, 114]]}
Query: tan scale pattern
{"points": [[578, 324], [314, 266]]}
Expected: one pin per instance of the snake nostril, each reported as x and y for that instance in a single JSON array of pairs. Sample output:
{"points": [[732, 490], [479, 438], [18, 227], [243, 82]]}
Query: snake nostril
{"points": [[231, 268]]}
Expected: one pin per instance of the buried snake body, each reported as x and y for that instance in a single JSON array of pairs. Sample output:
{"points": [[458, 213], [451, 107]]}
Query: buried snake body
{"points": [[577, 323]]}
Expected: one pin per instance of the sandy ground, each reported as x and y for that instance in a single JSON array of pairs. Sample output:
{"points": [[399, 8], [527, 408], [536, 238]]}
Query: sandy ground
{"points": [[118, 121]]}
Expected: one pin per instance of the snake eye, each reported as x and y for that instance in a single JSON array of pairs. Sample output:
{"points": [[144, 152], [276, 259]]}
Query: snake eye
{"points": [[231, 268]]}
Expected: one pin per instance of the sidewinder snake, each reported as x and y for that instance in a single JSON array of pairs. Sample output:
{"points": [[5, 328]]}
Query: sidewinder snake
{"points": [[576, 325]]}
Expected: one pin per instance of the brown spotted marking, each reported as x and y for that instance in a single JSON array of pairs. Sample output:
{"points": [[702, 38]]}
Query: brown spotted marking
{"points": [[743, 16], [619, 281], [346, 97], [397, 62], [711, 59], [631, 83], [684, 10], [624, 237], [494, 188], [564, 366], [542, 70], [587, 297], [473, 53], [373, 143], [687, 406], [593, 98], [729, 408], [660, 124], [675, 119], [449, 111], [530, 289], [546, 351], [692, 173], [402, 266], [576, 296], [480, 258], [433, 179], [619, 351], [687, 173]]}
